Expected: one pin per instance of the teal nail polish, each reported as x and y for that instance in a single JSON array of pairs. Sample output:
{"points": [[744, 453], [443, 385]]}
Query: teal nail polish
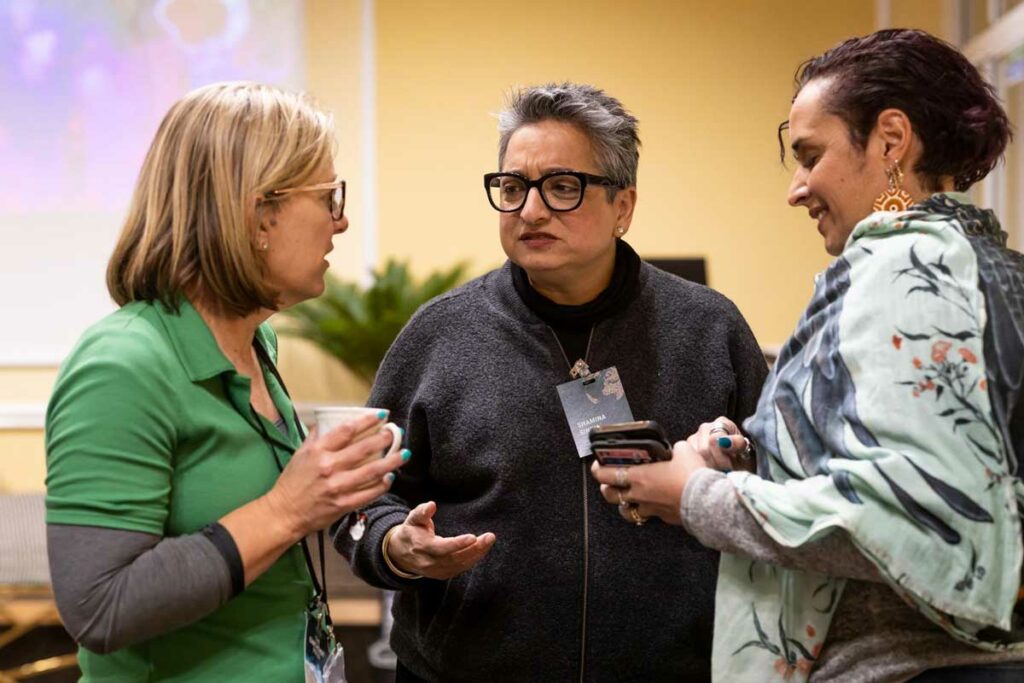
{"points": [[724, 442], [391, 477], [406, 454], [381, 414], [401, 431]]}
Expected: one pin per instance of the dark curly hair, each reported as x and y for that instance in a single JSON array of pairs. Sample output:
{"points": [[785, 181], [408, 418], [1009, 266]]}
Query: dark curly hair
{"points": [[954, 112]]}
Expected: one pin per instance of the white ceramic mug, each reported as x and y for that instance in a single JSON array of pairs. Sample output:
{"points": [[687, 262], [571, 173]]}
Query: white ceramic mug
{"points": [[329, 417]]}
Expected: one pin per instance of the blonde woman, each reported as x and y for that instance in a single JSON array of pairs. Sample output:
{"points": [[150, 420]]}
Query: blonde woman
{"points": [[179, 479]]}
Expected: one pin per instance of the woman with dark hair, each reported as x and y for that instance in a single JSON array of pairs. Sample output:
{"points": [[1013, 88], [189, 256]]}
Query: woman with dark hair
{"points": [[881, 537]]}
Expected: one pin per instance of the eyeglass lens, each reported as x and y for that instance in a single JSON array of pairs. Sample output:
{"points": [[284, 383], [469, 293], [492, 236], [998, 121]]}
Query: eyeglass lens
{"points": [[337, 203], [561, 192]]}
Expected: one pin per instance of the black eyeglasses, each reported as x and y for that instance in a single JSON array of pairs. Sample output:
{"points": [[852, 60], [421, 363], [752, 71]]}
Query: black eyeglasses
{"points": [[335, 199], [560, 191]]}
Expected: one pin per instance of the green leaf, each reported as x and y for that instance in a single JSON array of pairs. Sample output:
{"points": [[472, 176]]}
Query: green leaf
{"points": [[357, 325]]}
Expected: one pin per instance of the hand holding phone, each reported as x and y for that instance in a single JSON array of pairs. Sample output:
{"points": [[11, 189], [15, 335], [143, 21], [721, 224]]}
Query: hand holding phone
{"points": [[630, 443]]}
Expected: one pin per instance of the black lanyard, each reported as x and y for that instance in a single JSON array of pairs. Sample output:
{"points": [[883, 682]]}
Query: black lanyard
{"points": [[319, 583]]}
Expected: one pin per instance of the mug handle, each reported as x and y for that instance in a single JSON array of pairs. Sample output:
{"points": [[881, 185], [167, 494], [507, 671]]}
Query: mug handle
{"points": [[396, 438]]}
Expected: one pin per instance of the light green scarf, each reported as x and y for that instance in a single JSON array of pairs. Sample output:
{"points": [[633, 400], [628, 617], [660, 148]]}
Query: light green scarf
{"points": [[877, 420]]}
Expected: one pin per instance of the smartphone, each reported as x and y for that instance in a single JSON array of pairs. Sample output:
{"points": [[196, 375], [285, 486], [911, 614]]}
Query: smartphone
{"points": [[630, 443]]}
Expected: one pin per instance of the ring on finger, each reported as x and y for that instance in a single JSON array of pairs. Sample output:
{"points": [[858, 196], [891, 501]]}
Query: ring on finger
{"points": [[748, 449], [622, 497], [638, 519], [718, 427], [621, 478]]}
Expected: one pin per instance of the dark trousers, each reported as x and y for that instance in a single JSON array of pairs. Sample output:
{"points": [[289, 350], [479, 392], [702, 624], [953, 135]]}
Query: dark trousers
{"points": [[403, 675]]}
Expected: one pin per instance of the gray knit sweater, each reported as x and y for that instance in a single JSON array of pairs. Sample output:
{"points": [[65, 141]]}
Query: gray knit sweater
{"points": [[570, 591]]}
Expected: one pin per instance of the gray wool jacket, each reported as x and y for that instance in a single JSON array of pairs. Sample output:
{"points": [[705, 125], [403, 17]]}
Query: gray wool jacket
{"points": [[570, 591]]}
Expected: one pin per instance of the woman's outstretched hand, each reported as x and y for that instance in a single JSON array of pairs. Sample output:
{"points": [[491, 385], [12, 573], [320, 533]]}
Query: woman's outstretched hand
{"points": [[416, 548]]}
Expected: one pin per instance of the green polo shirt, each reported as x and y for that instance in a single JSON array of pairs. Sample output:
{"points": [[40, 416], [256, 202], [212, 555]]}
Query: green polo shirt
{"points": [[149, 429]]}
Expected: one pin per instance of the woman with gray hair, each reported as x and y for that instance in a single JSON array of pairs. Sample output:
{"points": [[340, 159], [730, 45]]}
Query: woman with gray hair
{"points": [[506, 563]]}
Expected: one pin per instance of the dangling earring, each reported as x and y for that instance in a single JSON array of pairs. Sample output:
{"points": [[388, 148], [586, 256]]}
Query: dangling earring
{"points": [[895, 198]]}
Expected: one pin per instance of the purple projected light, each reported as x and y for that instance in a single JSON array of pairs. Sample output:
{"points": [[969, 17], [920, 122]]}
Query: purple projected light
{"points": [[83, 85]]}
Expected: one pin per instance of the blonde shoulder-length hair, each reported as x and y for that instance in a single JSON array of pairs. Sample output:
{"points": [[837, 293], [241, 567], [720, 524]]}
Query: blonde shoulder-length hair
{"points": [[192, 222]]}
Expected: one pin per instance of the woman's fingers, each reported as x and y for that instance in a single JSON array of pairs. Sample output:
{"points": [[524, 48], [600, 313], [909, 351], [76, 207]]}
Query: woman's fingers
{"points": [[367, 474], [444, 560], [612, 475], [357, 499], [440, 547], [712, 440], [342, 435], [467, 557], [720, 424], [422, 514], [363, 452], [738, 451]]}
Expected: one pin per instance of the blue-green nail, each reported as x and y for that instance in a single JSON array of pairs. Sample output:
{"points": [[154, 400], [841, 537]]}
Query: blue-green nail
{"points": [[724, 442], [401, 431], [381, 414], [391, 477], [406, 454]]}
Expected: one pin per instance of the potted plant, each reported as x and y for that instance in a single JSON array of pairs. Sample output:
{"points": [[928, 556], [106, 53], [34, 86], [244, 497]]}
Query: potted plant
{"points": [[357, 324]]}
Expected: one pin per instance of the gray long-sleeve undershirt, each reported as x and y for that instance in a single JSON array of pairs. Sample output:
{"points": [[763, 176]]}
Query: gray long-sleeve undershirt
{"points": [[874, 635], [115, 588], [732, 529]]}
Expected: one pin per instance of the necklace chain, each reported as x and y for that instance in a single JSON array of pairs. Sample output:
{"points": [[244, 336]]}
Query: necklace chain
{"points": [[580, 367]]}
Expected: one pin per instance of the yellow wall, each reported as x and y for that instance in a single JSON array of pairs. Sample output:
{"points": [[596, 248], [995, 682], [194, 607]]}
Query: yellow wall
{"points": [[25, 385], [709, 81], [928, 15], [21, 450]]}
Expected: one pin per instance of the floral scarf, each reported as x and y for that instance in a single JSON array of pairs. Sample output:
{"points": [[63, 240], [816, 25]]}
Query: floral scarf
{"points": [[889, 414]]}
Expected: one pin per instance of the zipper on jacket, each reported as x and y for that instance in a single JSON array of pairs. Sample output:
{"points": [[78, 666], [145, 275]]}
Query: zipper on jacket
{"points": [[586, 513], [586, 570]]}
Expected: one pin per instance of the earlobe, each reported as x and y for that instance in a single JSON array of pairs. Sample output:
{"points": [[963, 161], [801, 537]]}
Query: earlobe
{"points": [[626, 201], [895, 130]]}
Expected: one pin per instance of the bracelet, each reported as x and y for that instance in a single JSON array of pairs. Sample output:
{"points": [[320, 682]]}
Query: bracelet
{"points": [[387, 560]]}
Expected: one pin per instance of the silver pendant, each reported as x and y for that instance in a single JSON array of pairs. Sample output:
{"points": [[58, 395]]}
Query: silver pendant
{"points": [[579, 369], [358, 527]]}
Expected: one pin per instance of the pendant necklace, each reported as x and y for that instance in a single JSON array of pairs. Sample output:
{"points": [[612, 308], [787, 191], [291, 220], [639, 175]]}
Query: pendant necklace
{"points": [[580, 367]]}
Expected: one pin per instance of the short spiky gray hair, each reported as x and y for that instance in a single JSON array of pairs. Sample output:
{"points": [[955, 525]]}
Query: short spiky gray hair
{"points": [[611, 129]]}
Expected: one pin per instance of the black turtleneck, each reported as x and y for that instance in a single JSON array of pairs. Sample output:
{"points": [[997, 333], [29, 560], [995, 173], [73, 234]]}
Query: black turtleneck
{"points": [[572, 324]]}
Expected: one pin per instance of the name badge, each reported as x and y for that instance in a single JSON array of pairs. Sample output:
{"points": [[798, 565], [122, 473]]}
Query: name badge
{"points": [[324, 656], [593, 400]]}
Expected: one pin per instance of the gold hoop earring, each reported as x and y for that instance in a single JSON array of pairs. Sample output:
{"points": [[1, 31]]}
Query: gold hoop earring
{"points": [[894, 198]]}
